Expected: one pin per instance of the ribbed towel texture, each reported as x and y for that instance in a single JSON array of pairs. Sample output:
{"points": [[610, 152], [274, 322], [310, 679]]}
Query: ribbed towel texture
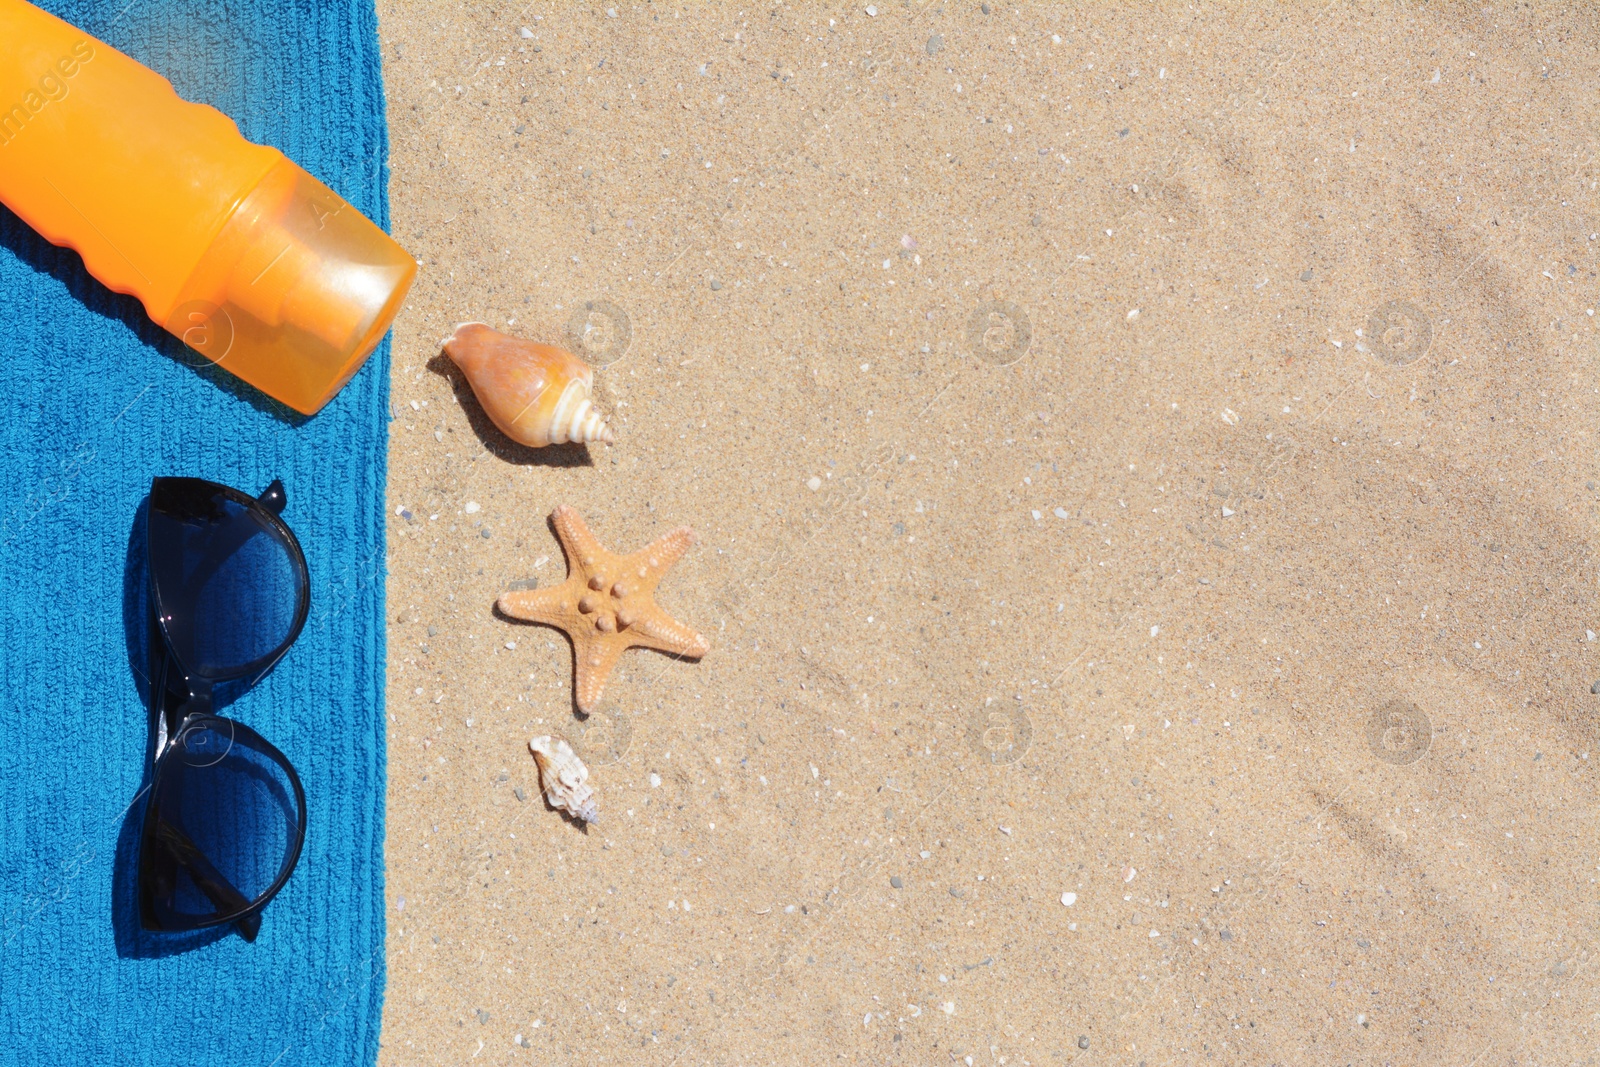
{"points": [[97, 401]]}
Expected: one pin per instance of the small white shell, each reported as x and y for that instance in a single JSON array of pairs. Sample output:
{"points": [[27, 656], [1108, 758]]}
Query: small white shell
{"points": [[566, 779]]}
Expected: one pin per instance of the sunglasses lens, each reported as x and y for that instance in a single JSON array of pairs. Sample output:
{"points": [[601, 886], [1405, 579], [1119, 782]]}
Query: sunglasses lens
{"points": [[224, 826], [228, 582]]}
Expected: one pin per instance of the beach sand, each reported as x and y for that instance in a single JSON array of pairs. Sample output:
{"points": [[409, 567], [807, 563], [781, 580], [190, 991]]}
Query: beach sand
{"points": [[1143, 465]]}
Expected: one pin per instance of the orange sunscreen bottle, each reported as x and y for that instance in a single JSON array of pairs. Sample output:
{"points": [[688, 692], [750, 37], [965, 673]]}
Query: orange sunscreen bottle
{"points": [[232, 248]]}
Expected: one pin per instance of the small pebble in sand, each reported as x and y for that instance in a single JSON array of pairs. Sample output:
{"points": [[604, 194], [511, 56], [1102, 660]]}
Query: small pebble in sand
{"points": [[872, 11], [1060, 513], [484, 533], [520, 794], [935, 43], [813, 483], [1083, 1040], [527, 34], [655, 781], [715, 285], [1595, 688], [925, 854], [1069, 899], [895, 881], [473, 507]]}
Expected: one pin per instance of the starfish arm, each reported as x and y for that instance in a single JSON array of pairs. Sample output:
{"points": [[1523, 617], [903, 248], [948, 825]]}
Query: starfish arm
{"points": [[579, 544], [592, 663], [553, 607], [659, 555], [661, 631]]}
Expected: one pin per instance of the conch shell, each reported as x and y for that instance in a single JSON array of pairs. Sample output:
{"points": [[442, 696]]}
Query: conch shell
{"points": [[537, 394], [566, 779]]}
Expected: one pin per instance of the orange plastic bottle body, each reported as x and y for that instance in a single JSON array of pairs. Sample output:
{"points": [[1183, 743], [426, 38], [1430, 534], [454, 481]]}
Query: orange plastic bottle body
{"points": [[228, 244]]}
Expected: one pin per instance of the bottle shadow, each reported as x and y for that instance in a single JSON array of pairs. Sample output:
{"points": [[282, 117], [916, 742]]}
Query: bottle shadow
{"points": [[66, 267]]}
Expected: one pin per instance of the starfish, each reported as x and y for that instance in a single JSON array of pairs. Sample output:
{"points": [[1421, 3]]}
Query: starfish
{"points": [[607, 604]]}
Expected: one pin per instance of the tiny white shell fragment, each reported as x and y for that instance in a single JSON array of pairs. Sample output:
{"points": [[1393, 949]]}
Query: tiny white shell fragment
{"points": [[565, 778]]}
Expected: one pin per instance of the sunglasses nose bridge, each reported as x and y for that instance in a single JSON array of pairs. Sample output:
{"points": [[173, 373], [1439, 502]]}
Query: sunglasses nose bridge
{"points": [[176, 717], [199, 702]]}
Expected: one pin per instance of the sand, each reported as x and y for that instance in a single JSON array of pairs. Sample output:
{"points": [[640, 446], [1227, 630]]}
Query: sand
{"points": [[1143, 465]]}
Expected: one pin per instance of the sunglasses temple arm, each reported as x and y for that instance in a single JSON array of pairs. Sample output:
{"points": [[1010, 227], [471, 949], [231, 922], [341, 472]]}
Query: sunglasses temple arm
{"points": [[163, 708], [211, 881]]}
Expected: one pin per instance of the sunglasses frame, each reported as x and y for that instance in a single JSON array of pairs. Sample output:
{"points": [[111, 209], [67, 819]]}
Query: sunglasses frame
{"points": [[181, 702]]}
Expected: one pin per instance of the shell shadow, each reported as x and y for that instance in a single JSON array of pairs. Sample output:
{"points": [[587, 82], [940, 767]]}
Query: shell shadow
{"points": [[497, 443]]}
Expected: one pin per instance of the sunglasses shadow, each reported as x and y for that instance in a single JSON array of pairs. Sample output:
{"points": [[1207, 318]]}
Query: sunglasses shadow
{"points": [[132, 940], [136, 605], [137, 622]]}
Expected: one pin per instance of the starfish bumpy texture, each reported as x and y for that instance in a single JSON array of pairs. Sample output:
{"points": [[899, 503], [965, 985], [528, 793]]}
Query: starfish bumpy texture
{"points": [[607, 604]]}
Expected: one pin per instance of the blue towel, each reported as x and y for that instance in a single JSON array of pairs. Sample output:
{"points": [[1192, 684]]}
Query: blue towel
{"points": [[97, 401]]}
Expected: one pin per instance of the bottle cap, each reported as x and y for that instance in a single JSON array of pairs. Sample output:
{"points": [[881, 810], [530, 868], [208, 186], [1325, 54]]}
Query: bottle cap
{"points": [[295, 292]]}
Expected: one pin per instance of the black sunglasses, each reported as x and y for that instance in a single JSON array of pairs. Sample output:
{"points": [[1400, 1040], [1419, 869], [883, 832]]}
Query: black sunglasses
{"points": [[226, 815]]}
